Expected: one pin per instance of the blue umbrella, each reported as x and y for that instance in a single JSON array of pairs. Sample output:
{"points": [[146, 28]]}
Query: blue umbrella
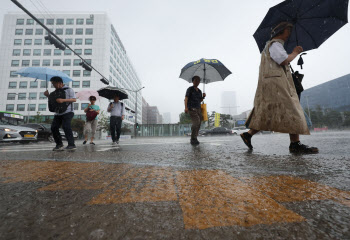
{"points": [[314, 22], [43, 74], [209, 70]]}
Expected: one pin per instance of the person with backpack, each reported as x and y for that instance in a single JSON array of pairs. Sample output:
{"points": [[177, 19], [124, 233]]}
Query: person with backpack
{"points": [[61, 103], [92, 112], [117, 110], [193, 100]]}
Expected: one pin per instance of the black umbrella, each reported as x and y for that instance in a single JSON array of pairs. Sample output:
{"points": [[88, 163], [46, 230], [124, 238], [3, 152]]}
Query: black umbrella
{"points": [[314, 22], [111, 92]]}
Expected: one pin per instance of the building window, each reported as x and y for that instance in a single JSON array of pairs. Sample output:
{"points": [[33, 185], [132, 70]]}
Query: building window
{"points": [[50, 21], [86, 84], [88, 51], [70, 21], [59, 21], [79, 31], [78, 41], [56, 62], [39, 31], [14, 63], [17, 42], [42, 107], [47, 42], [20, 107], [86, 73], [35, 63], [84, 105], [57, 52], [47, 52], [26, 52], [89, 21], [28, 42], [25, 63], [78, 51], [11, 96], [76, 62], [10, 107], [68, 41], [67, 52], [43, 84], [19, 32], [12, 85], [29, 31], [46, 62], [88, 41], [38, 42], [59, 31], [88, 61], [42, 95], [41, 20], [13, 74], [66, 72], [76, 106], [37, 52], [76, 73], [30, 21], [66, 62], [89, 31], [34, 84], [33, 95], [20, 22], [16, 52], [31, 107], [23, 84], [22, 96], [69, 31], [76, 84], [80, 21]]}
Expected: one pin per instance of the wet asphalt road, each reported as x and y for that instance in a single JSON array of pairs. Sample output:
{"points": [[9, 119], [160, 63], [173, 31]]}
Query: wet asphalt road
{"points": [[164, 188]]}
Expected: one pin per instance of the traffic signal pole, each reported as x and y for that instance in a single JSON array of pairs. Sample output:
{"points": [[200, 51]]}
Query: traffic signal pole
{"points": [[86, 64]]}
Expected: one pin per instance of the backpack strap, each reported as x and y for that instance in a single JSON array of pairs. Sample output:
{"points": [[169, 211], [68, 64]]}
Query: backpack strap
{"points": [[122, 104]]}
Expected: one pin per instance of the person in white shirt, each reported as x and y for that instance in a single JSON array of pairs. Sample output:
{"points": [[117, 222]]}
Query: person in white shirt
{"points": [[117, 111], [276, 103]]}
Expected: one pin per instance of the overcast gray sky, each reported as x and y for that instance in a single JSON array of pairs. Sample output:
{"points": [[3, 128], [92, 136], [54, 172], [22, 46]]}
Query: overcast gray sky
{"points": [[161, 36]]}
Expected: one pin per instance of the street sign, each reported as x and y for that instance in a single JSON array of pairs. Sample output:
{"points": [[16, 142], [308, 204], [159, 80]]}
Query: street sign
{"points": [[241, 122]]}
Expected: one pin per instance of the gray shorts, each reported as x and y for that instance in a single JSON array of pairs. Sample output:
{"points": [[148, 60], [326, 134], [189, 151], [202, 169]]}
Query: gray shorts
{"points": [[90, 127]]}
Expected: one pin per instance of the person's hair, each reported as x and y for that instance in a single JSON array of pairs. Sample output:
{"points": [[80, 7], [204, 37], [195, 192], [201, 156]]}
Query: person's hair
{"points": [[279, 29], [92, 98], [56, 79], [196, 77]]}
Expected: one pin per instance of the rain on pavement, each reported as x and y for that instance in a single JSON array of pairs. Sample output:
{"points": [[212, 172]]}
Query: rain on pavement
{"points": [[164, 188]]}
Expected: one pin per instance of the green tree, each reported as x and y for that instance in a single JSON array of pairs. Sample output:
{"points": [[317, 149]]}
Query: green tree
{"points": [[103, 122], [225, 120], [185, 118], [37, 117], [78, 126], [347, 119]]}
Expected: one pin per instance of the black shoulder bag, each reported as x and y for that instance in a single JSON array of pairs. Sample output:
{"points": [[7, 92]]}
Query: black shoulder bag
{"points": [[297, 79]]}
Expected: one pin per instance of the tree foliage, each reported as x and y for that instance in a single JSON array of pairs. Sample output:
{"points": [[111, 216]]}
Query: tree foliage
{"points": [[185, 118]]}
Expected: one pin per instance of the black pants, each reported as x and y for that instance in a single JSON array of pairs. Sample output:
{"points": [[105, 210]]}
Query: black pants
{"points": [[115, 126], [64, 121]]}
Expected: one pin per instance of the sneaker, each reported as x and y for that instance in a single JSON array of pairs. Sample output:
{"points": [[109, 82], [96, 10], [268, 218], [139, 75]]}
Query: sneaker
{"points": [[58, 148], [194, 142], [246, 137], [114, 143], [84, 142], [298, 147], [118, 142], [71, 148], [92, 143]]}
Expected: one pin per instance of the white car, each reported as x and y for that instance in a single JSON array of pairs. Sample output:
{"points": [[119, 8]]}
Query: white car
{"points": [[239, 130], [12, 133]]}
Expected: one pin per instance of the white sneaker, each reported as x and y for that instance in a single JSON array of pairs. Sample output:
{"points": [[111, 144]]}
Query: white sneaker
{"points": [[114, 143], [117, 142]]}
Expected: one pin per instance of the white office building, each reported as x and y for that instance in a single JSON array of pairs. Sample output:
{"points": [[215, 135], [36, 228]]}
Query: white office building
{"points": [[166, 118], [90, 34], [229, 103]]}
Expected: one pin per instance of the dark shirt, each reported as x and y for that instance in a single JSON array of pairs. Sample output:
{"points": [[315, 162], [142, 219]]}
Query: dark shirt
{"points": [[194, 98]]}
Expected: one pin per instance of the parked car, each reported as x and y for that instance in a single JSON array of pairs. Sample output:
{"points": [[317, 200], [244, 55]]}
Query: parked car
{"points": [[200, 133], [217, 131], [75, 134], [44, 130], [239, 130], [12, 133]]}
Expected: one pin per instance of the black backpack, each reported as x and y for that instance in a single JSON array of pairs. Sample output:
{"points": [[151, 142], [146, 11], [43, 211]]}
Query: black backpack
{"points": [[55, 106]]}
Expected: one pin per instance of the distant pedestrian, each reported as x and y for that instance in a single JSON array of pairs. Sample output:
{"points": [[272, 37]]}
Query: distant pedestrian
{"points": [[276, 103], [117, 110], [92, 111], [193, 100], [61, 102]]}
